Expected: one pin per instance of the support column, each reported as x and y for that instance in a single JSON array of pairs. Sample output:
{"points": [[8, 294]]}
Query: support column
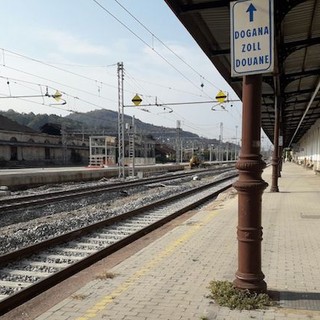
{"points": [[250, 187], [280, 160], [275, 154]]}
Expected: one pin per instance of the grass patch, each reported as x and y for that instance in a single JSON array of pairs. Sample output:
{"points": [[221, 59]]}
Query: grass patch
{"points": [[227, 295], [79, 296], [106, 275]]}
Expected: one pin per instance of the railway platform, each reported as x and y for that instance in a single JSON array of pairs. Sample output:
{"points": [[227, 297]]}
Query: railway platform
{"points": [[168, 279], [30, 177]]}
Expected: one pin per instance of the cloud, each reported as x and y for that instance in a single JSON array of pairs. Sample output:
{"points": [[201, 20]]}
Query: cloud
{"points": [[70, 44]]}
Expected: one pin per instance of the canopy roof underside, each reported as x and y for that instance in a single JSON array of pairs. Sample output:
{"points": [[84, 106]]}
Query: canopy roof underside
{"points": [[296, 78]]}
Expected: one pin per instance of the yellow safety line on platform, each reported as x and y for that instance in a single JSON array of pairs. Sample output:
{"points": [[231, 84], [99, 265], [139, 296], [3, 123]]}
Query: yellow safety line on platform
{"points": [[100, 305]]}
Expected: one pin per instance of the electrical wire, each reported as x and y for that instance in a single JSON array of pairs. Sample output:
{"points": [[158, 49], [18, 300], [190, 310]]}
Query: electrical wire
{"points": [[62, 84], [87, 78], [39, 61], [76, 74], [168, 48], [59, 83], [135, 85], [193, 126], [55, 67], [59, 108], [35, 102], [169, 88], [144, 42], [81, 65], [47, 86], [47, 64]]}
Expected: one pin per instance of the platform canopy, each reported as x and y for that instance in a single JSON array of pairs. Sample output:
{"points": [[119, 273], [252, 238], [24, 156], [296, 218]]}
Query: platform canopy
{"points": [[296, 77]]}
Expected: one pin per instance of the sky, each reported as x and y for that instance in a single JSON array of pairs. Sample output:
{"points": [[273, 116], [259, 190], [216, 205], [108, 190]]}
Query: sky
{"points": [[75, 46]]}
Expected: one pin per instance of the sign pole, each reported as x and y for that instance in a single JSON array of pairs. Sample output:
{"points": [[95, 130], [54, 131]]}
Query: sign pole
{"points": [[250, 187], [252, 46]]}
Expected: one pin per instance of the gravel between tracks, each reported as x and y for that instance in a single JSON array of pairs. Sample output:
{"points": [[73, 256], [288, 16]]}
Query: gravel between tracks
{"points": [[35, 225]]}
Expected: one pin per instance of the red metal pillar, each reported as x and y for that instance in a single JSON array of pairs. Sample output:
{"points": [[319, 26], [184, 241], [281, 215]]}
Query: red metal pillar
{"points": [[280, 160], [275, 154], [250, 187]]}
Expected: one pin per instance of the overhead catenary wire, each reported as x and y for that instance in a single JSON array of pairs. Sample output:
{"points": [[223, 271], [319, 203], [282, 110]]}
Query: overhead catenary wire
{"points": [[79, 71], [2, 95], [5, 64], [168, 87], [55, 67], [53, 81], [167, 109], [193, 126], [74, 97], [136, 84], [80, 99], [183, 103], [23, 97], [15, 80], [143, 41], [47, 86], [167, 47]]}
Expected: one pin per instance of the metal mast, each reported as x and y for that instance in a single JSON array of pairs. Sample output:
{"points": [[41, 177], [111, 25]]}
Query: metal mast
{"points": [[178, 142], [64, 143], [120, 121], [236, 145], [132, 132], [220, 154]]}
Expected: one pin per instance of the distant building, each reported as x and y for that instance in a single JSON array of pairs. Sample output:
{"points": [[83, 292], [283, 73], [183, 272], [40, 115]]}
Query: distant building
{"points": [[164, 153], [102, 151], [23, 146], [144, 151]]}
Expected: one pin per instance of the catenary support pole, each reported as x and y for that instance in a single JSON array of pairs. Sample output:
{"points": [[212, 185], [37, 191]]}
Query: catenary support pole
{"points": [[275, 154], [120, 121], [250, 187]]}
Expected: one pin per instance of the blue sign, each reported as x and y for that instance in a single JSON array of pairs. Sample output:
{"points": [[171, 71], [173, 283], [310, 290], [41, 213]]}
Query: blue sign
{"points": [[252, 33]]}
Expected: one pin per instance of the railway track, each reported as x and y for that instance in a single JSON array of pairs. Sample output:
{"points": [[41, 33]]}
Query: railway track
{"points": [[11, 204], [27, 272]]}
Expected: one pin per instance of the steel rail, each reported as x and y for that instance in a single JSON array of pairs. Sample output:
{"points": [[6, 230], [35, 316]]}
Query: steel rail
{"points": [[27, 293], [57, 196]]}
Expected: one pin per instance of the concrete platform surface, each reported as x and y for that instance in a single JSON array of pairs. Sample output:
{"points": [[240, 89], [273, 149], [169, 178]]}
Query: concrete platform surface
{"points": [[31, 177], [169, 278]]}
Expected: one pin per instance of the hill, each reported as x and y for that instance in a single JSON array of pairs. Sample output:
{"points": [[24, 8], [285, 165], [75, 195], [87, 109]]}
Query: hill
{"points": [[105, 122]]}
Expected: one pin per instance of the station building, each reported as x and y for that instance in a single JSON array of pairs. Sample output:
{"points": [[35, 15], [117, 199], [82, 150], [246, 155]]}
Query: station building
{"points": [[21, 146]]}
